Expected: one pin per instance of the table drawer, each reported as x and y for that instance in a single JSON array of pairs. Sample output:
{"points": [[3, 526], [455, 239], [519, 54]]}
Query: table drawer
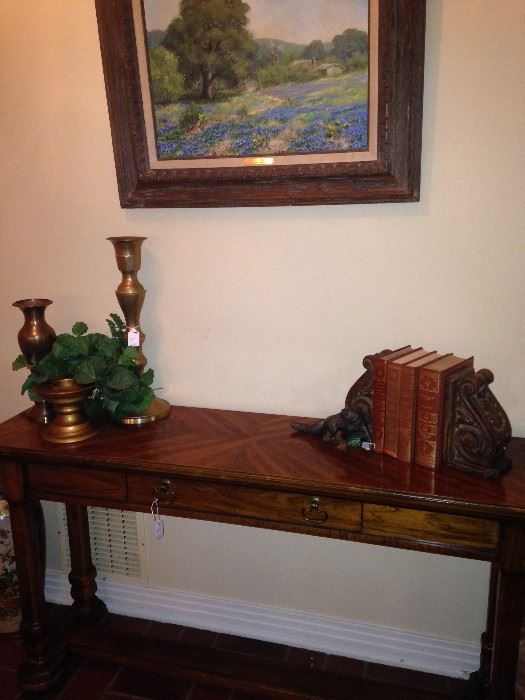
{"points": [[75, 481], [184, 496], [426, 526]]}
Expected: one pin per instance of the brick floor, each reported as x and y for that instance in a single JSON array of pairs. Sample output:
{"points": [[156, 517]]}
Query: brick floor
{"points": [[87, 679]]}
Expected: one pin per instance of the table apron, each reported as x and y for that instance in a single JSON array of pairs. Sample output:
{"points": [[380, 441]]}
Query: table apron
{"points": [[269, 507]]}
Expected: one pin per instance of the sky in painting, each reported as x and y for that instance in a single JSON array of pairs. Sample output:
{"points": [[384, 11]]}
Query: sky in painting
{"points": [[298, 21]]}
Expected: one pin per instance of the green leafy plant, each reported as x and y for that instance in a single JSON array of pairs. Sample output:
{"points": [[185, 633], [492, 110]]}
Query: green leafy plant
{"points": [[120, 389]]}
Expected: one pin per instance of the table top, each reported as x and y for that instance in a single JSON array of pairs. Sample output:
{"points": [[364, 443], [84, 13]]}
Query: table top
{"points": [[262, 449]]}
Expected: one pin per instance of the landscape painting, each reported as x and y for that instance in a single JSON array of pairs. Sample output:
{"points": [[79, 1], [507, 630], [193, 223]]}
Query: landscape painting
{"points": [[256, 79]]}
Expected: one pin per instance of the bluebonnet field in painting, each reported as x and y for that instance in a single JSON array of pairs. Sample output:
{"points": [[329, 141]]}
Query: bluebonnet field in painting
{"points": [[254, 97]]}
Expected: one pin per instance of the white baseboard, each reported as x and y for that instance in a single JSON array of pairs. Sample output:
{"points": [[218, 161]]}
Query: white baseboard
{"points": [[316, 632]]}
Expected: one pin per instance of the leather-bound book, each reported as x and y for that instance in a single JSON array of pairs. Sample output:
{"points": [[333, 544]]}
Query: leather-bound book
{"points": [[380, 364], [430, 411], [407, 405], [393, 386]]}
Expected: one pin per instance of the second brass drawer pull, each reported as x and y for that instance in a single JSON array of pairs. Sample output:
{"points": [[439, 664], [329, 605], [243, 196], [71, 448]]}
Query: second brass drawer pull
{"points": [[312, 514], [164, 493]]}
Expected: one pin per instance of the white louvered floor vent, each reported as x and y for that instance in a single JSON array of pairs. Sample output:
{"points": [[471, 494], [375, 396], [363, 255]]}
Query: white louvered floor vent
{"points": [[117, 543]]}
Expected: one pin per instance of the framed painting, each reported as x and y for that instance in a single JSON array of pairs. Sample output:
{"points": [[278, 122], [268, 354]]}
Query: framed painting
{"points": [[264, 102]]}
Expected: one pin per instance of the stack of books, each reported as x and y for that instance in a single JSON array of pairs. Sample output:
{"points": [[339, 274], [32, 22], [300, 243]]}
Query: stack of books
{"points": [[411, 390]]}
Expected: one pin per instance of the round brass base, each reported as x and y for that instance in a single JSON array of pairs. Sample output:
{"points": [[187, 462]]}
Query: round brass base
{"points": [[66, 434], [158, 409]]}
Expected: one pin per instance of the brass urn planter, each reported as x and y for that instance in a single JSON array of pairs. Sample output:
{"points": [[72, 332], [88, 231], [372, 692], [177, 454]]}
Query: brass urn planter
{"points": [[70, 424]]}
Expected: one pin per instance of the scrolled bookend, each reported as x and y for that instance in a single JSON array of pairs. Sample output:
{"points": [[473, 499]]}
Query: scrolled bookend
{"points": [[478, 430], [359, 396]]}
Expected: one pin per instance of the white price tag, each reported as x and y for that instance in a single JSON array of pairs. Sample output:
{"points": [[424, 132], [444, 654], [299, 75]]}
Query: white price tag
{"points": [[159, 528], [133, 338], [158, 524]]}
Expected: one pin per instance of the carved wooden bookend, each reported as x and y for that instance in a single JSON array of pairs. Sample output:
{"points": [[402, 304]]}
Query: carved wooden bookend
{"points": [[478, 429], [360, 395]]}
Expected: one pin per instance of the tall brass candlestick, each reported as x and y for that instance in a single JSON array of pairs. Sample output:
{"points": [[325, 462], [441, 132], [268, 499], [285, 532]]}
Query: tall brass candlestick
{"points": [[130, 294]]}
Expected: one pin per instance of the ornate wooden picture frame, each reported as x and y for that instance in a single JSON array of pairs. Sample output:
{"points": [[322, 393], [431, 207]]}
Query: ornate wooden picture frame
{"points": [[388, 170]]}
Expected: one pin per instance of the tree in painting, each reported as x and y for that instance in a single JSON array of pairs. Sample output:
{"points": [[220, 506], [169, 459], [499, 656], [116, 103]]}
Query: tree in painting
{"points": [[315, 50], [167, 82], [350, 42], [211, 41]]}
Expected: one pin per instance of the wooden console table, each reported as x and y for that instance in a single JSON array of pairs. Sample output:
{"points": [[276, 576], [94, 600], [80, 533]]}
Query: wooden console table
{"points": [[251, 469]]}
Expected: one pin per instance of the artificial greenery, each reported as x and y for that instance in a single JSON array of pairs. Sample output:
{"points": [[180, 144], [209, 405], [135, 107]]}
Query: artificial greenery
{"points": [[106, 362]]}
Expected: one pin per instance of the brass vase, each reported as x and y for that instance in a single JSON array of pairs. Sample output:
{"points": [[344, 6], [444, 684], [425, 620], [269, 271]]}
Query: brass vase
{"points": [[35, 339], [130, 295], [70, 424]]}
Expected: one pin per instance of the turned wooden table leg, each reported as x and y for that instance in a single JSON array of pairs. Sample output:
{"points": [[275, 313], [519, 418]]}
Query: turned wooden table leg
{"points": [[481, 679], [42, 663], [83, 573], [509, 608]]}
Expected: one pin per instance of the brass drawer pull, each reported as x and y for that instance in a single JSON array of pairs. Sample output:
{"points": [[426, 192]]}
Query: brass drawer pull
{"points": [[312, 514], [164, 493]]}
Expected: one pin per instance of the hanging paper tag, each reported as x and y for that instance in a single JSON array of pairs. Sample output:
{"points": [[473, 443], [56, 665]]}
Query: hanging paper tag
{"points": [[158, 528], [133, 338], [158, 524]]}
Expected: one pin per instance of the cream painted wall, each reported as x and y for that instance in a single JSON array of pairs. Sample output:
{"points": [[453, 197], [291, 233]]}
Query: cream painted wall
{"points": [[272, 309]]}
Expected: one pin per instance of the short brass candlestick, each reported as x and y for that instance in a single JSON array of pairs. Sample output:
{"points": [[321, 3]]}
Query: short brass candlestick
{"points": [[130, 294]]}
